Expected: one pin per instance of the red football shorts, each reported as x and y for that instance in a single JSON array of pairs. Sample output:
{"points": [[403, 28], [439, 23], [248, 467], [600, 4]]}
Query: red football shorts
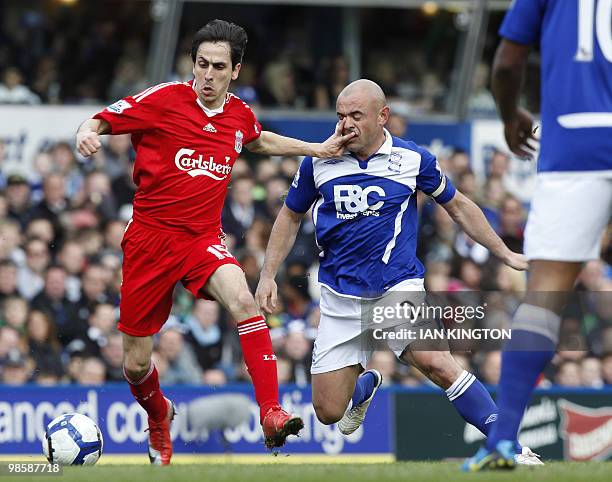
{"points": [[153, 262]]}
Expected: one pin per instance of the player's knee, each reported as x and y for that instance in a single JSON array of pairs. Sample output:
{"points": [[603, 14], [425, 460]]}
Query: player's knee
{"points": [[136, 368], [243, 306], [327, 413]]}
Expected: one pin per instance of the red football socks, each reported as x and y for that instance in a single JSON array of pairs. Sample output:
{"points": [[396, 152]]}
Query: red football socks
{"points": [[147, 393], [260, 361]]}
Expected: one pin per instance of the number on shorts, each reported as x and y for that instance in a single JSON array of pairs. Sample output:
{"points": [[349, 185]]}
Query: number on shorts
{"points": [[219, 251]]}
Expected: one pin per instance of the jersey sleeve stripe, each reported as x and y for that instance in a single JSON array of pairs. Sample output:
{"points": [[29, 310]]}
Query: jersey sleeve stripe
{"points": [[143, 91], [154, 89], [148, 92], [441, 187], [149, 89]]}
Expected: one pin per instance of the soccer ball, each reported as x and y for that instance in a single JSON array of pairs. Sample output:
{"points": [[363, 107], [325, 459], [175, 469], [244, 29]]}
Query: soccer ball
{"points": [[72, 439]]}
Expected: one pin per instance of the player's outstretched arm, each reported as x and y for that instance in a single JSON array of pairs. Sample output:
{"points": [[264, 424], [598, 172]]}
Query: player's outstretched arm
{"points": [[472, 220], [88, 136], [271, 144], [281, 241], [506, 82]]}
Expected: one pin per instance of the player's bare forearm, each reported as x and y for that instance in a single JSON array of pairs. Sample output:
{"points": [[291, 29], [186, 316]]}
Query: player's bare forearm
{"points": [[507, 77], [281, 241], [472, 220], [506, 81], [88, 136], [272, 144], [99, 126]]}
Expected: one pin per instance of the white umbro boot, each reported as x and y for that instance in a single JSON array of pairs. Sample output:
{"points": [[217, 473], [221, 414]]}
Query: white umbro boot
{"points": [[353, 417]]}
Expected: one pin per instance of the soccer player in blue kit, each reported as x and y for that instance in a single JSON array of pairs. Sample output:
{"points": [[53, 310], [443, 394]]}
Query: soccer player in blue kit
{"points": [[572, 202], [365, 214]]}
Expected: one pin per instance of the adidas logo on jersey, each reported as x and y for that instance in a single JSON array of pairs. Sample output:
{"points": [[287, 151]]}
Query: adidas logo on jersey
{"points": [[209, 128]]}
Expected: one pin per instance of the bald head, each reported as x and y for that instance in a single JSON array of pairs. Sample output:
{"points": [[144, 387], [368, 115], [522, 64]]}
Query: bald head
{"points": [[366, 89], [362, 109]]}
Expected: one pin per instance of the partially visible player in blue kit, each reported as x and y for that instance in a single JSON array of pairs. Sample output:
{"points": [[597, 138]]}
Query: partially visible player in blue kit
{"points": [[572, 202]]}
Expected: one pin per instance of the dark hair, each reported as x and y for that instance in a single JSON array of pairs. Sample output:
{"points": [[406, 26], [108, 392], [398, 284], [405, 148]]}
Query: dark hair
{"points": [[4, 263], [221, 31], [54, 266], [52, 338]]}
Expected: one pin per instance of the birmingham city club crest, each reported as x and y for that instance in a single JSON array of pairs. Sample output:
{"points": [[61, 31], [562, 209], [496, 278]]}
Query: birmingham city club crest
{"points": [[395, 162]]}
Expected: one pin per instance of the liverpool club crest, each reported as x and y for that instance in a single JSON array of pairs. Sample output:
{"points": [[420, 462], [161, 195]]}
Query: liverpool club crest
{"points": [[238, 142]]}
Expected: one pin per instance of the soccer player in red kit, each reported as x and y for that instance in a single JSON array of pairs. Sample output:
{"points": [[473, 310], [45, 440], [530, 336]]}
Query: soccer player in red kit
{"points": [[187, 136]]}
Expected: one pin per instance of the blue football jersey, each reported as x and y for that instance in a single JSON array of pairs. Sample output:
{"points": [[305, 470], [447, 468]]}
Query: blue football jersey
{"points": [[576, 78], [365, 214]]}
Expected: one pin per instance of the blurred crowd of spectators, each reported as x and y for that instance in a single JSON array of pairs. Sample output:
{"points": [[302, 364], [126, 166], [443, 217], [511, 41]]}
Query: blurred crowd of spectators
{"points": [[60, 276], [82, 55], [61, 227]]}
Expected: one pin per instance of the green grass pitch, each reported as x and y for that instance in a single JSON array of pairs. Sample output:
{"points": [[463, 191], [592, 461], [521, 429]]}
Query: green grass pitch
{"points": [[299, 468], [323, 472]]}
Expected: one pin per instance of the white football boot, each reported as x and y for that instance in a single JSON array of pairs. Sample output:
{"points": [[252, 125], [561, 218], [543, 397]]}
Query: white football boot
{"points": [[527, 457], [353, 417]]}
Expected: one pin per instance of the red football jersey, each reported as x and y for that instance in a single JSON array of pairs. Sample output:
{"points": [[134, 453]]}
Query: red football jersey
{"points": [[184, 153]]}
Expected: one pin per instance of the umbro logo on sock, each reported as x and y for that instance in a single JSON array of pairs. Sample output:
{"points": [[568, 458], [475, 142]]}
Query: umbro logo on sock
{"points": [[269, 357], [491, 418], [209, 128]]}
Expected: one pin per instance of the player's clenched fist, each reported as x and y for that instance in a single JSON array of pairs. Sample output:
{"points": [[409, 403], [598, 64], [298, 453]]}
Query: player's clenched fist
{"points": [[520, 135], [88, 136], [88, 143], [266, 294]]}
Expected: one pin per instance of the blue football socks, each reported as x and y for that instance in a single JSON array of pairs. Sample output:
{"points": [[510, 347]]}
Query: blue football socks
{"points": [[523, 359], [363, 388], [473, 402]]}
